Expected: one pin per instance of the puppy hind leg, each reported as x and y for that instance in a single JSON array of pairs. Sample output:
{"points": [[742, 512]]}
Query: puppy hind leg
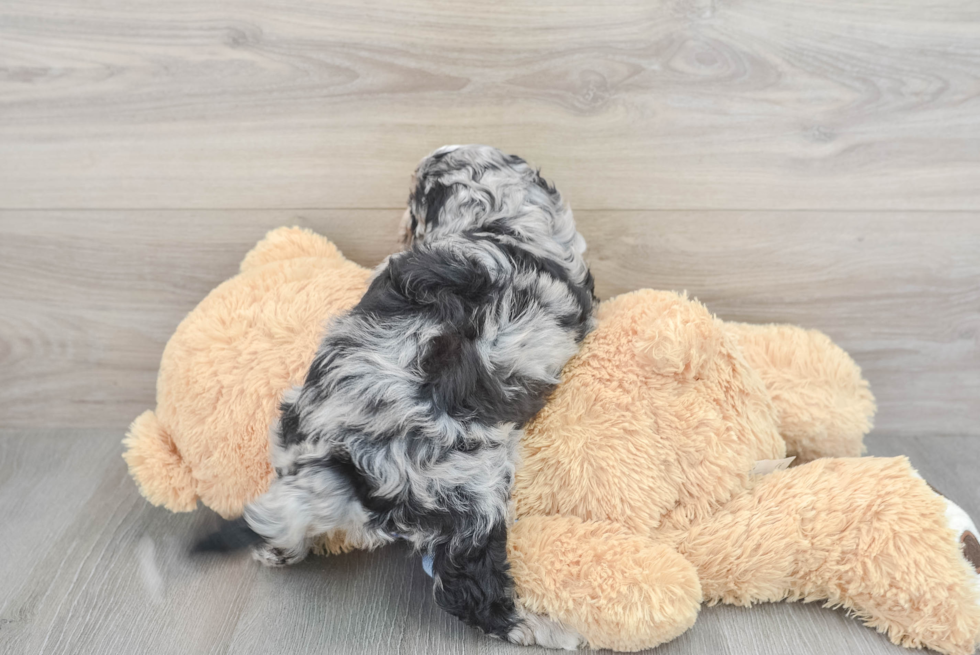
{"points": [[473, 582], [316, 499], [281, 517]]}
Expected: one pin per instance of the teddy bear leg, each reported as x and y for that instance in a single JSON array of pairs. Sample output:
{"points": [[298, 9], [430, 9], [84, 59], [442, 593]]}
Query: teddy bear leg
{"points": [[964, 530], [824, 406], [597, 581], [967, 536], [866, 534]]}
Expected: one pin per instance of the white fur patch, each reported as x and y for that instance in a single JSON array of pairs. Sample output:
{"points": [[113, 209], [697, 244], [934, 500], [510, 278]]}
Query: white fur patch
{"points": [[536, 629]]}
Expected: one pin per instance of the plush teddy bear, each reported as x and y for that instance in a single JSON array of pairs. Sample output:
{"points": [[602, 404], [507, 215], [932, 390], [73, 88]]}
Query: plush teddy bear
{"points": [[225, 368], [638, 496], [643, 490]]}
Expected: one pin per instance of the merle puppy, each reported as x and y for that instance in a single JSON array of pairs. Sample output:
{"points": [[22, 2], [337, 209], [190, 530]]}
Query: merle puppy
{"points": [[408, 423]]}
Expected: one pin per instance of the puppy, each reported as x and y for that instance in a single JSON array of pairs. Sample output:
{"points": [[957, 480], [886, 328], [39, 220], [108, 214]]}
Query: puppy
{"points": [[408, 422]]}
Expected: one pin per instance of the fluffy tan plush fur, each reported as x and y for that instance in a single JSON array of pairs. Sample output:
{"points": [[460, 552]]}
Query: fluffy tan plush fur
{"points": [[636, 500], [225, 368]]}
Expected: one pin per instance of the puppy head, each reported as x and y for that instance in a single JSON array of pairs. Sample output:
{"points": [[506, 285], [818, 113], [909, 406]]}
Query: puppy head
{"points": [[459, 188]]}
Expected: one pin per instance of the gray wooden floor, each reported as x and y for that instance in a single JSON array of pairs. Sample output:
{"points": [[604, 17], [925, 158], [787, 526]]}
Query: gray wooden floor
{"points": [[76, 574]]}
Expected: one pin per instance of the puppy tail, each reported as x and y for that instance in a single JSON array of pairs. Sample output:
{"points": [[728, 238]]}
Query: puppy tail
{"points": [[232, 535]]}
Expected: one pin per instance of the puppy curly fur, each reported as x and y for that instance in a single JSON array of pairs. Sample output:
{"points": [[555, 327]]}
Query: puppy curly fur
{"points": [[408, 422]]}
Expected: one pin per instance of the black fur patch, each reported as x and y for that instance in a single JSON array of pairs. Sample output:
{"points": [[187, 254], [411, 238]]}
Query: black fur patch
{"points": [[544, 184], [474, 583], [289, 425], [433, 200], [230, 536]]}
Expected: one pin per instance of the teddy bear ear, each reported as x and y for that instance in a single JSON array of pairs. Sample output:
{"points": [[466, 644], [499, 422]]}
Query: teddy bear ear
{"points": [[289, 243], [157, 466], [675, 335]]}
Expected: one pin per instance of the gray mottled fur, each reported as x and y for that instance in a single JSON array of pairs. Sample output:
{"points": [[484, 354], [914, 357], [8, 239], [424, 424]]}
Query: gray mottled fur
{"points": [[379, 443]]}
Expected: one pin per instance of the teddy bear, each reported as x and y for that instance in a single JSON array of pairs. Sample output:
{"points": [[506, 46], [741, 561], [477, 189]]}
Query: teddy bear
{"points": [[225, 367], [643, 489], [653, 481]]}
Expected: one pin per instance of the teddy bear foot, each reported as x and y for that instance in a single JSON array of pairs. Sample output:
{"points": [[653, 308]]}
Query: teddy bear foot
{"points": [[964, 526], [535, 629], [967, 536]]}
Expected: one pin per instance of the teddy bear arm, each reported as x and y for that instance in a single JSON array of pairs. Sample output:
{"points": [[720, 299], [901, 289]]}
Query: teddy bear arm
{"points": [[616, 589], [824, 406], [863, 533]]}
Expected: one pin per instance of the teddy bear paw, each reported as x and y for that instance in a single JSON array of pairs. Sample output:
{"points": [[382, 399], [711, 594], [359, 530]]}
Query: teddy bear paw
{"points": [[964, 526], [967, 536], [536, 629]]}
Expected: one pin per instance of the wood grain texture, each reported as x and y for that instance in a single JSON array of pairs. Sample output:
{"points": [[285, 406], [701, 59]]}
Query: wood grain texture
{"points": [[648, 104], [89, 299], [785, 161], [76, 534], [899, 292]]}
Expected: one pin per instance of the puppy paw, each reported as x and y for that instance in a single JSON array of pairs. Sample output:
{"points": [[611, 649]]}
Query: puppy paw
{"points": [[272, 556], [536, 629]]}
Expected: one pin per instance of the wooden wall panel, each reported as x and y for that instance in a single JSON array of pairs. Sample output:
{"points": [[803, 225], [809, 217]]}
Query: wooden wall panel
{"points": [[645, 104], [89, 299]]}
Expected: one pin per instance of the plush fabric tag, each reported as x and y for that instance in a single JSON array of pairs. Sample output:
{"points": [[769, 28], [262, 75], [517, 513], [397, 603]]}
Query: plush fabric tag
{"points": [[766, 466]]}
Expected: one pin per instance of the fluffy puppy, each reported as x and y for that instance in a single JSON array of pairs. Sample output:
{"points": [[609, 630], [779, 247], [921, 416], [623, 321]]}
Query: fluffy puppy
{"points": [[408, 422]]}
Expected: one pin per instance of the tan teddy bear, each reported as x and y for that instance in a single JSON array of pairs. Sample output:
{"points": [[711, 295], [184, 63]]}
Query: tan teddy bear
{"points": [[641, 493], [226, 366], [636, 498]]}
